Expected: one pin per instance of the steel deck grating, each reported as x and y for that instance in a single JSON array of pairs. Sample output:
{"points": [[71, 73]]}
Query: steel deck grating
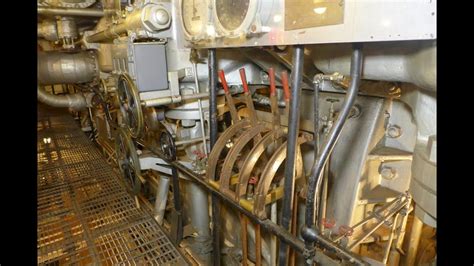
{"points": [[85, 215]]}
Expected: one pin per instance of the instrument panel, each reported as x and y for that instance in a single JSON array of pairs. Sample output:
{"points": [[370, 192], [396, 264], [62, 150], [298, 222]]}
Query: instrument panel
{"points": [[244, 23]]}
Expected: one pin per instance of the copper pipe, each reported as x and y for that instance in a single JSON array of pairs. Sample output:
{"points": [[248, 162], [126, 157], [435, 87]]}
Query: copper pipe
{"points": [[415, 236], [243, 232]]}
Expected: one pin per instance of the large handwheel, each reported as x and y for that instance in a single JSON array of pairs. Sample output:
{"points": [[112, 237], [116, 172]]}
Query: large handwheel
{"points": [[106, 104], [130, 105], [167, 145], [127, 160]]}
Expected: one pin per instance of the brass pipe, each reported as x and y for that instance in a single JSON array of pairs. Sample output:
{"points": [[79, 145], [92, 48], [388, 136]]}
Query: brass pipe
{"points": [[414, 241]]}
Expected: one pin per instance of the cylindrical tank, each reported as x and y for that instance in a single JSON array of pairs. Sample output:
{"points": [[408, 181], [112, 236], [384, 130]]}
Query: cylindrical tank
{"points": [[67, 68]]}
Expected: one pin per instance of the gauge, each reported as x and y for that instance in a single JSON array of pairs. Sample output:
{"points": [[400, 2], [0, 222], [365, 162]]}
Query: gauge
{"points": [[194, 15], [232, 13]]}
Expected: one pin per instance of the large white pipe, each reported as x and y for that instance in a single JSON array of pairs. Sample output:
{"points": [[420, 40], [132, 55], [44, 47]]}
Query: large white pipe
{"points": [[411, 62]]}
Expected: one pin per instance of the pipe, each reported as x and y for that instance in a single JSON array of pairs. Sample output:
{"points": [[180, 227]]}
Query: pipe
{"points": [[198, 210], [75, 101], [201, 115], [150, 18], [212, 69], [67, 68], [161, 199], [80, 12], [314, 184], [48, 30], [293, 128], [414, 241]]}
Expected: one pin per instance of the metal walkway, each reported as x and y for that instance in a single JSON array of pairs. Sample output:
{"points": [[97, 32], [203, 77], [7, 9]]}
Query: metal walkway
{"points": [[85, 215]]}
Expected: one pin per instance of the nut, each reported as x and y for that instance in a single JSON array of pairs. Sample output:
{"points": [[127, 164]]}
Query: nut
{"points": [[388, 172], [394, 131], [155, 18]]}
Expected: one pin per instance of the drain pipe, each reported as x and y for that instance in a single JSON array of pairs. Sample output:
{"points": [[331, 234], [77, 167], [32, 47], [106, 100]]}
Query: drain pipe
{"points": [[309, 233], [75, 101]]}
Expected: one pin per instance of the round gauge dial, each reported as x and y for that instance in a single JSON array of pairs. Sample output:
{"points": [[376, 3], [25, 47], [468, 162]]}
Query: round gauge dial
{"points": [[232, 13], [194, 14]]}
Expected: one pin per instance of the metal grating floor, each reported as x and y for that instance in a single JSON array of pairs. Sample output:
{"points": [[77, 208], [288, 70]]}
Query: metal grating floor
{"points": [[85, 215]]}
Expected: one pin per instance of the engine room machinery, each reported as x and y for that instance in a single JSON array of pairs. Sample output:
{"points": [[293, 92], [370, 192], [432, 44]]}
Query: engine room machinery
{"points": [[260, 132]]}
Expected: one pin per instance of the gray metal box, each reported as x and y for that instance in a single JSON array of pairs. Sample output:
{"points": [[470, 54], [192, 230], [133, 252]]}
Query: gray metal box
{"points": [[144, 62], [149, 66]]}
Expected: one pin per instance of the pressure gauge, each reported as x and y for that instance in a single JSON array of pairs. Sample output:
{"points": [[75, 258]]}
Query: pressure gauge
{"points": [[232, 13], [195, 14], [236, 17]]}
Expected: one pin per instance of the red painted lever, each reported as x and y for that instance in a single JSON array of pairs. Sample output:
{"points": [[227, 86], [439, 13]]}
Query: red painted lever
{"points": [[244, 80], [271, 74], [223, 81], [286, 87]]}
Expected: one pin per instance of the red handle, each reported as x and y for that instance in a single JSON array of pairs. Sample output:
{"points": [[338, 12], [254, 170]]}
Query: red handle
{"points": [[223, 81], [244, 80], [271, 74], [286, 87]]}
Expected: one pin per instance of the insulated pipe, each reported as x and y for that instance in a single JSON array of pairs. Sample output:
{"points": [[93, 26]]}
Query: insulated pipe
{"points": [[293, 128], [67, 68], [314, 185], [75, 101], [80, 12]]}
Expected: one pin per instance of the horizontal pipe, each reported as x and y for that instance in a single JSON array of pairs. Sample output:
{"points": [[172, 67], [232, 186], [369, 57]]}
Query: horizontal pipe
{"points": [[67, 68], [187, 141], [108, 34], [75, 101], [80, 12], [266, 224]]}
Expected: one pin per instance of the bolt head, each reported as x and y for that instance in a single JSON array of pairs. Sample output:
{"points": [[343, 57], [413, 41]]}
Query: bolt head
{"points": [[388, 172], [394, 131]]}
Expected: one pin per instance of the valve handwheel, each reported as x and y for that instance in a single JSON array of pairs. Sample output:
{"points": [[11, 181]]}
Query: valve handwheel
{"points": [[130, 106], [167, 145], [127, 160]]}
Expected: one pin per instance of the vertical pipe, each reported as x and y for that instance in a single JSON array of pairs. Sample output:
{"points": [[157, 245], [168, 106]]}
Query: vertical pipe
{"points": [[243, 233], [201, 118], [316, 117], [212, 67], [177, 205], [273, 239], [415, 236], [315, 180], [161, 198], [199, 212], [293, 128]]}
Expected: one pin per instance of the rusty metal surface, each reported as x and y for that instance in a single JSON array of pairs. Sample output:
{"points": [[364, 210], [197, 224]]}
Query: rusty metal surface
{"points": [[85, 215]]}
